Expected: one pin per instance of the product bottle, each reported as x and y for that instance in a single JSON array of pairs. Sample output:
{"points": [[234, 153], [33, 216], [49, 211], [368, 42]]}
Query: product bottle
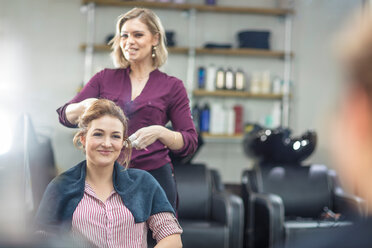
{"points": [[229, 79], [220, 79], [266, 82], [205, 117], [238, 109], [217, 118], [196, 112], [230, 125], [201, 77], [239, 80], [277, 86], [211, 78], [255, 83]]}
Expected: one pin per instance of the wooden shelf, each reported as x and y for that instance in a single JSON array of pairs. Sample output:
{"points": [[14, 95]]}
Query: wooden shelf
{"points": [[211, 51], [235, 138], [241, 52], [241, 94], [222, 136], [243, 10], [107, 48], [198, 7]]}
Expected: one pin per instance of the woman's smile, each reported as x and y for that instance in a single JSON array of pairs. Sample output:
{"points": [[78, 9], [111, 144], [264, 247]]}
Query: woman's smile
{"points": [[103, 141], [105, 152]]}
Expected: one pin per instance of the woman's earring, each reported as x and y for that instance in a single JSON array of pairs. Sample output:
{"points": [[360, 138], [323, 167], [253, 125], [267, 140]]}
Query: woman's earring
{"points": [[153, 55]]}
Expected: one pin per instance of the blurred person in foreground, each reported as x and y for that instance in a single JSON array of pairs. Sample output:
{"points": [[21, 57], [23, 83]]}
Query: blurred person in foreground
{"points": [[99, 200], [351, 135]]}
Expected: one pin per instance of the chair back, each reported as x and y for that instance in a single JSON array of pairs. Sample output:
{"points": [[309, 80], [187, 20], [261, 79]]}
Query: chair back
{"points": [[194, 191], [305, 190]]}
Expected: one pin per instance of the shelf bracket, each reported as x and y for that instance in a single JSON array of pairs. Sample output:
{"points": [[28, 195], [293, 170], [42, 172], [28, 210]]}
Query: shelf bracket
{"points": [[287, 71], [89, 9], [191, 53]]}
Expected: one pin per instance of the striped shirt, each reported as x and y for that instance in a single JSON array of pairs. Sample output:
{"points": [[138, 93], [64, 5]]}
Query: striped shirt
{"points": [[111, 224]]}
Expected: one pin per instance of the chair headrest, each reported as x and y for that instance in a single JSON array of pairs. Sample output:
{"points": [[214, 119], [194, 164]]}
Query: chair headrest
{"points": [[305, 191], [194, 191]]}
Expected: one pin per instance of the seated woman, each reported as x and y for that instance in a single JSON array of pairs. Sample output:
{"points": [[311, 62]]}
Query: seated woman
{"points": [[101, 201]]}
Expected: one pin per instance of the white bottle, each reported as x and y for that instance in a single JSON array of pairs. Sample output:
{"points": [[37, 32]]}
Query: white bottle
{"points": [[266, 83], [230, 121], [211, 78], [220, 79], [218, 118], [229, 79], [239, 80], [255, 83], [277, 86]]}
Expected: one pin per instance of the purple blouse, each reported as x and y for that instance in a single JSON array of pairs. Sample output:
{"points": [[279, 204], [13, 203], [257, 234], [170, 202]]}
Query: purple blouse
{"points": [[163, 99]]}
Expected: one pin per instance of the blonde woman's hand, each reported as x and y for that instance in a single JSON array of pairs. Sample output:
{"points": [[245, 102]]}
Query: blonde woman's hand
{"points": [[87, 103], [145, 136], [75, 110]]}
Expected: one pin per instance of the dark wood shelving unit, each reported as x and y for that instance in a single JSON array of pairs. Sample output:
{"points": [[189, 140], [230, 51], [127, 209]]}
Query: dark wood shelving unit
{"points": [[239, 94], [192, 53], [209, 51], [221, 136], [197, 7], [107, 48]]}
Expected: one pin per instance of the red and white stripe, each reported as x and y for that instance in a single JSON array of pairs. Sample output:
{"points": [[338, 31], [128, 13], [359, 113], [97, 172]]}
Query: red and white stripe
{"points": [[111, 224]]}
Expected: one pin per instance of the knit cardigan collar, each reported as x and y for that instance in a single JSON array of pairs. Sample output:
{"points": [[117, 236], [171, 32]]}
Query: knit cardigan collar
{"points": [[139, 191]]}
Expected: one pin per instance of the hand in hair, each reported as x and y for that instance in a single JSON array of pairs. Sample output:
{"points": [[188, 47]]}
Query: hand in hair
{"points": [[75, 110], [87, 103]]}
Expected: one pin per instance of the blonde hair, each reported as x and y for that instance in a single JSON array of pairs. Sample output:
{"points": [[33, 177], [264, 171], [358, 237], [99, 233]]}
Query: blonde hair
{"points": [[153, 23], [98, 109]]}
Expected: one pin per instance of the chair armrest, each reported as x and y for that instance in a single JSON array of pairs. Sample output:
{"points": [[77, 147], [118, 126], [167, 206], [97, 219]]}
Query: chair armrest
{"points": [[268, 214], [216, 180], [228, 209], [350, 205], [347, 204]]}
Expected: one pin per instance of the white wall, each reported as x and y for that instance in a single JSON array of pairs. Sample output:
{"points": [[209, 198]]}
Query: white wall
{"points": [[41, 65], [317, 75]]}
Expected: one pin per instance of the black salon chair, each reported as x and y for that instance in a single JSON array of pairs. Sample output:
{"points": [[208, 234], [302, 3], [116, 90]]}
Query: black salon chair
{"points": [[285, 199], [209, 216], [25, 170]]}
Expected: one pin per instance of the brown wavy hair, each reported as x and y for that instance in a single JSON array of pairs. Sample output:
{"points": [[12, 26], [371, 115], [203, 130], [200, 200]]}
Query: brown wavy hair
{"points": [[98, 109]]}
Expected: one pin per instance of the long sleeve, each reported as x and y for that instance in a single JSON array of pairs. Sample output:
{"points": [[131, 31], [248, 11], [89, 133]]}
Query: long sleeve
{"points": [[91, 89], [163, 225], [180, 116]]}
